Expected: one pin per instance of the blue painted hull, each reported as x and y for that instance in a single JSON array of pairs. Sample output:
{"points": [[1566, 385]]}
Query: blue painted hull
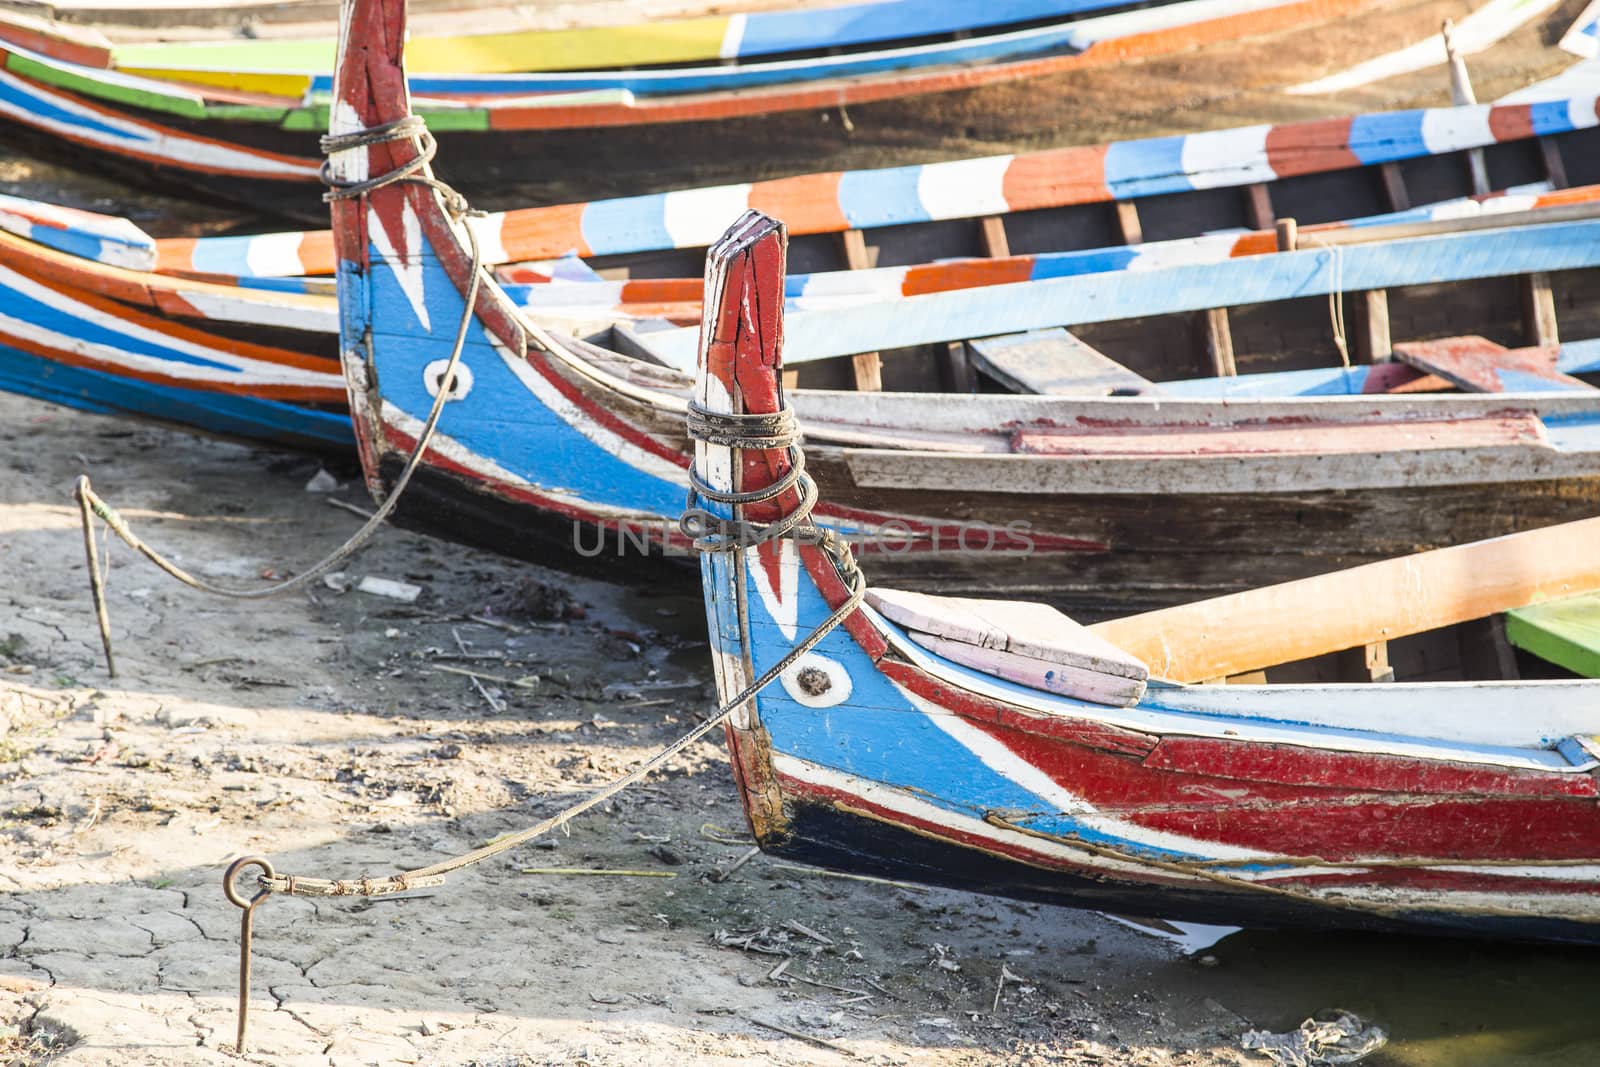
{"points": [[225, 414]]}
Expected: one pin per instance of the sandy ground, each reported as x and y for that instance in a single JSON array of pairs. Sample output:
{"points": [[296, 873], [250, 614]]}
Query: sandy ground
{"points": [[324, 732]]}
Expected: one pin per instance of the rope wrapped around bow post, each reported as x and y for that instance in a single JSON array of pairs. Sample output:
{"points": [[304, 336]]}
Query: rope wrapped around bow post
{"points": [[91, 505], [735, 431]]}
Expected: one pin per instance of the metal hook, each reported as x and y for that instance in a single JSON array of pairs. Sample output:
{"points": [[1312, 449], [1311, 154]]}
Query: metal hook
{"points": [[248, 909]]}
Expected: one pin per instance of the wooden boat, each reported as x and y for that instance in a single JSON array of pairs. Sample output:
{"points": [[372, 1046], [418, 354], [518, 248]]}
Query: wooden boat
{"points": [[553, 441], [84, 325], [106, 261], [256, 147], [1002, 747]]}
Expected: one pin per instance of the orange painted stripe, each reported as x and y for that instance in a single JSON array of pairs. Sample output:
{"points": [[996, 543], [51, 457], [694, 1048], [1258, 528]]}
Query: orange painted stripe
{"points": [[1059, 176], [808, 203], [540, 232], [943, 277]]}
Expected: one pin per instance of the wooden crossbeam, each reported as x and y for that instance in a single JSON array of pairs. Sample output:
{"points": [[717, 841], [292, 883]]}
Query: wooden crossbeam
{"points": [[1381, 601]]}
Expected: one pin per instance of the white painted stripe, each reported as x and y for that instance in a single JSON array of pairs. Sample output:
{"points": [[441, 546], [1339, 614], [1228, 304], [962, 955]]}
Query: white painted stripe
{"points": [[244, 370], [903, 803], [1227, 157], [732, 37], [489, 471], [1473, 34], [274, 255], [1447, 129], [1584, 111], [782, 603], [320, 316], [1155, 720], [488, 231], [964, 188], [146, 140], [1578, 42], [698, 217]]}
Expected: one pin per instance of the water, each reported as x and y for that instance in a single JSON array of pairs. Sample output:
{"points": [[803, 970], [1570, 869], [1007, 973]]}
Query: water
{"points": [[1445, 1003]]}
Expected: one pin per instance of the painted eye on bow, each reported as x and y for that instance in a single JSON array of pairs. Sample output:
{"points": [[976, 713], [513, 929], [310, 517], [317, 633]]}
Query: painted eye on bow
{"points": [[433, 379], [817, 681]]}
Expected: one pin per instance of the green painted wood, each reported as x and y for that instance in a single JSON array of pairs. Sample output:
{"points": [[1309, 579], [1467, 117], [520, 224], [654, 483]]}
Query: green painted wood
{"points": [[187, 106], [1563, 632]]}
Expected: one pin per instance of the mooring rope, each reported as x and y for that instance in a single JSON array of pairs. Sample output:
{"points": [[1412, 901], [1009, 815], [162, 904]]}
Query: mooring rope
{"points": [[91, 504], [756, 432]]}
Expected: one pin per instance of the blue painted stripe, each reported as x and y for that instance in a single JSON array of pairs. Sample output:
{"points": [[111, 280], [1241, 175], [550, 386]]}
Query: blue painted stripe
{"points": [[1388, 136], [73, 242], [1318, 381], [19, 96], [222, 255], [1550, 116], [773, 32], [499, 418], [21, 306], [1146, 168], [626, 224], [237, 416], [1091, 261], [1000, 309], [1579, 357], [881, 197]]}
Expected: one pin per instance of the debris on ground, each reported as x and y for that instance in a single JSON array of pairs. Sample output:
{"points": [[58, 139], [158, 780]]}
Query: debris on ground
{"points": [[1327, 1039]]}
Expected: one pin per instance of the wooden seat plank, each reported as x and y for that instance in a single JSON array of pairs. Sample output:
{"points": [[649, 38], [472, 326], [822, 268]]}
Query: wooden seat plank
{"points": [[1564, 632], [1285, 438], [1024, 629], [1478, 365], [1055, 363]]}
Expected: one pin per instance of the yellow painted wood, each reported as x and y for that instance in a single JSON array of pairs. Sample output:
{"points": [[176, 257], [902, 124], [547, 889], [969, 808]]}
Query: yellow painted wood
{"points": [[251, 65], [291, 86]]}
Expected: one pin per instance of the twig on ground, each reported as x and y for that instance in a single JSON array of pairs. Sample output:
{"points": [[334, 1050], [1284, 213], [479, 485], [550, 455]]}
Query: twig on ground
{"points": [[618, 871], [801, 1036], [722, 836], [880, 988], [520, 683], [726, 873], [830, 985], [805, 931], [345, 505], [825, 873]]}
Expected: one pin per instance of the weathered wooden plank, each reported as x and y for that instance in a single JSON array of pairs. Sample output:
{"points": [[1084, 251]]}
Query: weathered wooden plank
{"points": [[1481, 366], [1555, 168], [1371, 338], [1128, 222], [1394, 186], [1386, 600], [992, 231], [1056, 363], [1539, 323], [1430, 258], [867, 366], [1218, 339], [1295, 438], [1080, 683], [1564, 632], [1258, 205]]}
